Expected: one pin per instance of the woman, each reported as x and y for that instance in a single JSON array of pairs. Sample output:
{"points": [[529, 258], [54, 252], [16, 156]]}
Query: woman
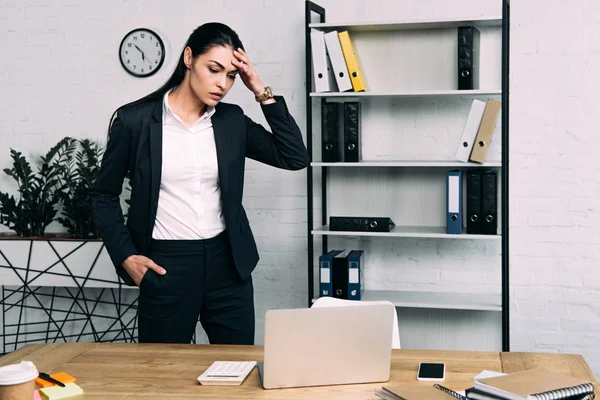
{"points": [[187, 243]]}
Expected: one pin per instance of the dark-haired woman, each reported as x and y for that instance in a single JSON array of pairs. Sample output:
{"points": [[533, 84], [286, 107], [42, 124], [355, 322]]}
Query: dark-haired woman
{"points": [[187, 243]]}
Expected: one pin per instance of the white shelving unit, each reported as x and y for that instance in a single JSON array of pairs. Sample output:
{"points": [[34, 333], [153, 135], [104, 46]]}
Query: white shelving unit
{"points": [[395, 111], [436, 300], [397, 25], [409, 164], [423, 93], [431, 232]]}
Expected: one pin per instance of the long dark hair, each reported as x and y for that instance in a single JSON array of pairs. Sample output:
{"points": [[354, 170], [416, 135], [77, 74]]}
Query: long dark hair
{"points": [[202, 39]]}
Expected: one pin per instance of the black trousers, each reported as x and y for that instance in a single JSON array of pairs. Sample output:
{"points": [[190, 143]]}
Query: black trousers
{"points": [[201, 280]]}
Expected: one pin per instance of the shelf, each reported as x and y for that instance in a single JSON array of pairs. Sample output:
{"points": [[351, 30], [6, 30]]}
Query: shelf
{"points": [[408, 24], [418, 93], [437, 300], [409, 163], [437, 232]]}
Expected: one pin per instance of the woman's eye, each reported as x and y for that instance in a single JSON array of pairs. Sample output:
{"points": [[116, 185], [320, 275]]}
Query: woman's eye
{"points": [[232, 76], [214, 71]]}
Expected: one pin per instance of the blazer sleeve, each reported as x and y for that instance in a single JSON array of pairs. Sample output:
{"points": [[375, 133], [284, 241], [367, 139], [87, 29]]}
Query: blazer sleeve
{"points": [[106, 206], [284, 148]]}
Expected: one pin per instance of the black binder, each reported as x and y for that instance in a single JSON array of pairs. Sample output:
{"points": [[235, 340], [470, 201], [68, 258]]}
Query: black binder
{"points": [[489, 207], [352, 122], [339, 275], [468, 58], [331, 135], [474, 201], [361, 224]]}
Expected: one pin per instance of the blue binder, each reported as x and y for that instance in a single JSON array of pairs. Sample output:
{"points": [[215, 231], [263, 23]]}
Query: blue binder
{"points": [[325, 277], [454, 203], [355, 287]]}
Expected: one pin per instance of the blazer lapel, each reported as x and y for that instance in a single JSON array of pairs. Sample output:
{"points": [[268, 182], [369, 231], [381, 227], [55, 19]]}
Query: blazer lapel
{"points": [[156, 136], [219, 123]]}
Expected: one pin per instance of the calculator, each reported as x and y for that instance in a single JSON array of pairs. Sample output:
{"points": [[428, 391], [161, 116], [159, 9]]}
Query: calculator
{"points": [[226, 373]]}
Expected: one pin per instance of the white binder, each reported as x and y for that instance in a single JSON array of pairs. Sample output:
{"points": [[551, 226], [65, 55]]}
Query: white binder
{"points": [[470, 130], [340, 70], [322, 71]]}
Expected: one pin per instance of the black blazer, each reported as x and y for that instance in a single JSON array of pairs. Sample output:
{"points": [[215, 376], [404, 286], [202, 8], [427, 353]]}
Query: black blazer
{"points": [[135, 146]]}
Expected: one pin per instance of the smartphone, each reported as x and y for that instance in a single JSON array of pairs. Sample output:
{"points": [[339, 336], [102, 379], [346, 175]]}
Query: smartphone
{"points": [[431, 372]]}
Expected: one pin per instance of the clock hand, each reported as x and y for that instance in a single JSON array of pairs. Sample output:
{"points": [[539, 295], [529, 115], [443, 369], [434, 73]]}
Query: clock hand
{"points": [[136, 46]]}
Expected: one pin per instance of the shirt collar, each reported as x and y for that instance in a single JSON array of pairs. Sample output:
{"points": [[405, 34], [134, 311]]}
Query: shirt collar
{"points": [[168, 112]]}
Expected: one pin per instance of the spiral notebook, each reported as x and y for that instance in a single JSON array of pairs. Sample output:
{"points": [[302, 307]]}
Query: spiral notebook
{"points": [[535, 384], [435, 392]]}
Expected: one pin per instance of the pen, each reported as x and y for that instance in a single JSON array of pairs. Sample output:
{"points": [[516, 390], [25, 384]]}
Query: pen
{"points": [[48, 378]]}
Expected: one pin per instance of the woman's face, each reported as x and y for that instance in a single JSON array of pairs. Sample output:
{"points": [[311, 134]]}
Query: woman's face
{"points": [[212, 74]]}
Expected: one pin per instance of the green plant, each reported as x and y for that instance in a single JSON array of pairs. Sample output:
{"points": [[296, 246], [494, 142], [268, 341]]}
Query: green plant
{"points": [[77, 176], [35, 208]]}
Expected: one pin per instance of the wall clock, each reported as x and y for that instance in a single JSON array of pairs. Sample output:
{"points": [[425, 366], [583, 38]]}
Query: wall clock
{"points": [[142, 52]]}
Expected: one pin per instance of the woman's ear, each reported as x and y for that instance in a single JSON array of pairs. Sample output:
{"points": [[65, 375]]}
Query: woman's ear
{"points": [[187, 56]]}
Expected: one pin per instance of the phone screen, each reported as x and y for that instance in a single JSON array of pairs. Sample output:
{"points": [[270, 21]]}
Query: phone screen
{"points": [[431, 370]]}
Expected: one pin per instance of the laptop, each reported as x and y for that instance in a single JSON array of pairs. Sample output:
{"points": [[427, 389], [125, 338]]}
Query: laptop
{"points": [[327, 346]]}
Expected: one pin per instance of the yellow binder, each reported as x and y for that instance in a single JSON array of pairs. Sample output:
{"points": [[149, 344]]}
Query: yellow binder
{"points": [[359, 84]]}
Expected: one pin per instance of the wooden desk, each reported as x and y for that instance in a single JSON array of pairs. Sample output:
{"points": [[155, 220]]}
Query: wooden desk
{"points": [[144, 371]]}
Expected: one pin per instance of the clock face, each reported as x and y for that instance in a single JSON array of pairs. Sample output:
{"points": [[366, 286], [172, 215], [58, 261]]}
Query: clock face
{"points": [[142, 52]]}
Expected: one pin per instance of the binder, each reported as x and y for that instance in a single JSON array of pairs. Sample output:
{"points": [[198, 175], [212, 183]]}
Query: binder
{"points": [[470, 130], [489, 207], [361, 224], [322, 71], [485, 131], [454, 202], [331, 135], [359, 84], [468, 57], [338, 64], [474, 201], [325, 278], [339, 275], [352, 152], [355, 278]]}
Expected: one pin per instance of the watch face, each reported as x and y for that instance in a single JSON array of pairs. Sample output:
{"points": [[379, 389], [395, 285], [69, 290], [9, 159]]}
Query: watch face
{"points": [[142, 52]]}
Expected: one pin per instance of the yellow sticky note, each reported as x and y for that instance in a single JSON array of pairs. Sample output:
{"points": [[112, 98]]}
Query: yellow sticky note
{"points": [[70, 391]]}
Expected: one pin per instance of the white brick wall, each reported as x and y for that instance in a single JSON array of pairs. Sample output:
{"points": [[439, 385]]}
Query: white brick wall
{"points": [[60, 75], [554, 179]]}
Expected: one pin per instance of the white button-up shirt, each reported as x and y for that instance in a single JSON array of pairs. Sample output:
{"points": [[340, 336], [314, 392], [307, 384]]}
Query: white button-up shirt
{"points": [[189, 203]]}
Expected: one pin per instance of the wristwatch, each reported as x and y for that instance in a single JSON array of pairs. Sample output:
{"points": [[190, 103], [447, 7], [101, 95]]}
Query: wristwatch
{"points": [[267, 94]]}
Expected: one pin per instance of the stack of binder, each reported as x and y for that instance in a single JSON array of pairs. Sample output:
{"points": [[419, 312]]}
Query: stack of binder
{"points": [[336, 65], [341, 131], [478, 131], [340, 274], [481, 206]]}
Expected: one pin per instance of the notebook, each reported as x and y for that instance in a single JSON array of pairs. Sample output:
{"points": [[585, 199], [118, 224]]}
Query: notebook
{"points": [[435, 392], [534, 384]]}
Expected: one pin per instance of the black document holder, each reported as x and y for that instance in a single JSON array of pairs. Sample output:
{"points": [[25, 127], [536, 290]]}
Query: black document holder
{"points": [[474, 202], [489, 206], [331, 135], [361, 224]]}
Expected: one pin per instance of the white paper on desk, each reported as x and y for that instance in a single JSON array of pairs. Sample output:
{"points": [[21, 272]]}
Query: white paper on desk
{"points": [[487, 374]]}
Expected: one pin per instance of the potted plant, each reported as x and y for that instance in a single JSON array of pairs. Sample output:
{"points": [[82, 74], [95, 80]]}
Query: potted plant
{"points": [[35, 208], [67, 276], [76, 178], [57, 191]]}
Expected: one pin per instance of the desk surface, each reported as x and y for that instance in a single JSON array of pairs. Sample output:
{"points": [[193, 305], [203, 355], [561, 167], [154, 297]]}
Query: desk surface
{"points": [[136, 371]]}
